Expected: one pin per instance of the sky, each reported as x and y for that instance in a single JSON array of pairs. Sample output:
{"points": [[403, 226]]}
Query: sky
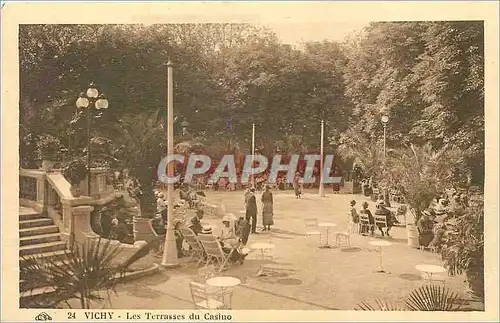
{"points": [[295, 33]]}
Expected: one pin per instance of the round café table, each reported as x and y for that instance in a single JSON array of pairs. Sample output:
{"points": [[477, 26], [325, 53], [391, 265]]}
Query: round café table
{"points": [[430, 270], [380, 244], [328, 226], [262, 246], [223, 282]]}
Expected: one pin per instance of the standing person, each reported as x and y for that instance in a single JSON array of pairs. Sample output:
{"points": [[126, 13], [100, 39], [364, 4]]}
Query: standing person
{"points": [[267, 209], [296, 185], [246, 194], [251, 210]]}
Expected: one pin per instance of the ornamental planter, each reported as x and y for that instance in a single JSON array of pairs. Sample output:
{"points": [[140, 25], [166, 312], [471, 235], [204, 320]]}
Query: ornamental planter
{"points": [[411, 229]]}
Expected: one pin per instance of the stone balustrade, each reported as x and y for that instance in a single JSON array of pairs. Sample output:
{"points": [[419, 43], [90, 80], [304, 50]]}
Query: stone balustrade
{"points": [[50, 193]]}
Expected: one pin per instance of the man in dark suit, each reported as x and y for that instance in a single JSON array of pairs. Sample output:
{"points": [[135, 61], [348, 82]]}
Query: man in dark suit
{"points": [[251, 210]]}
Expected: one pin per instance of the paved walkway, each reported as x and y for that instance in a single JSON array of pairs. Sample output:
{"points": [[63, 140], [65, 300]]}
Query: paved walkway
{"points": [[306, 277]]}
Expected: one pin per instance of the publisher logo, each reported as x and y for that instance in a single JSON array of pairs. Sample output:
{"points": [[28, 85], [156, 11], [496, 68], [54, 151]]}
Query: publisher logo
{"points": [[43, 317]]}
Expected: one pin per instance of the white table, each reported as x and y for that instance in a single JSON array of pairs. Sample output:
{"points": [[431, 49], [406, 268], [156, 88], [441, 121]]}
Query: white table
{"points": [[430, 270], [223, 282], [380, 244], [262, 246], [328, 226]]}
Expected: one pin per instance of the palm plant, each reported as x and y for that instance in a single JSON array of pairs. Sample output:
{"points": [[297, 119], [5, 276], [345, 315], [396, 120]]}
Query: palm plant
{"points": [[365, 152], [463, 250], [83, 273], [424, 298], [140, 144]]}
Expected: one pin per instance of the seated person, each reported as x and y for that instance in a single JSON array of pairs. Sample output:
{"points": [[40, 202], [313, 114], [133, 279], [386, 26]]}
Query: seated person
{"points": [[243, 229], [425, 227], [381, 210], [366, 211], [354, 214], [179, 239], [229, 241], [196, 224], [438, 240]]}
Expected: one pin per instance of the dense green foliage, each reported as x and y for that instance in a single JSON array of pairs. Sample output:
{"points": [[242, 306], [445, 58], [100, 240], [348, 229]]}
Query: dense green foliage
{"points": [[427, 76]]}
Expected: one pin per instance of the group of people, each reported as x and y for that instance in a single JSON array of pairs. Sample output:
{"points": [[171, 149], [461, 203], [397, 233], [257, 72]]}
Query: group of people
{"points": [[433, 223], [381, 210], [267, 208]]}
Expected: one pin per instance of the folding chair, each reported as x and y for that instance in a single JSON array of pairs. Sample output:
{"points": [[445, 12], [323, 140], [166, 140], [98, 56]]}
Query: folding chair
{"points": [[345, 236], [311, 228], [364, 223], [381, 221], [201, 299], [197, 250], [215, 253]]}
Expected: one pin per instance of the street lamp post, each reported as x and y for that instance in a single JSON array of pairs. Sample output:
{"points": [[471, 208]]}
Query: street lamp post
{"points": [[321, 187], [87, 101], [170, 259], [385, 120]]}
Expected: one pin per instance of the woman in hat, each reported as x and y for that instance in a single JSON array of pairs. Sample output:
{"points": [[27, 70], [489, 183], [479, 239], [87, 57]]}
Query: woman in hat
{"points": [[425, 227], [267, 209]]}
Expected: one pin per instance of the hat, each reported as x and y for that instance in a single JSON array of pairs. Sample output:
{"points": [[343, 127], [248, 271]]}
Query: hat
{"points": [[160, 195], [380, 202], [353, 202], [428, 212], [365, 204], [226, 218]]}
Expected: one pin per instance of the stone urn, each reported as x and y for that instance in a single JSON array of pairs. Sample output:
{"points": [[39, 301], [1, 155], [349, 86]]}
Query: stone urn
{"points": [[411, 229], [48, 165]]}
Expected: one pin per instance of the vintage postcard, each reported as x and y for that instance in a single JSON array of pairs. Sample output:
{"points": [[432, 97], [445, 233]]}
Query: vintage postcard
{"points": [[250, 161]]}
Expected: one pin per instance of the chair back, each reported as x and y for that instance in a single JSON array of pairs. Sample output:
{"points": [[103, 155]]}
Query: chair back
{"points": [[191, 239], [211, 245], [381, 221], [198, 294], [363, 218]]}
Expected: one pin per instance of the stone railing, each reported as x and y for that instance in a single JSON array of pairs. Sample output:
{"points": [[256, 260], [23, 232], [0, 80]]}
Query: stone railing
{"points": [[50, 193]]}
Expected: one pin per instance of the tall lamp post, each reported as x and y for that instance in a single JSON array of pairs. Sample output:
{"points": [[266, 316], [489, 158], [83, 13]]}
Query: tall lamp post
{"points": [[170, 259], [321, 187], [385, 120], [88, 100]]}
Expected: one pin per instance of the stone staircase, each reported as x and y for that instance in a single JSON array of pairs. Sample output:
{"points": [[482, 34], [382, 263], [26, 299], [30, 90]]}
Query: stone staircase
{"points": [[38, 237]]}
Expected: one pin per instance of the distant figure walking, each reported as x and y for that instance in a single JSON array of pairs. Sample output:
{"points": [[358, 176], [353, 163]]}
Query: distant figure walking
{"points": [[267, 209], [296, 185], [251, 210]]}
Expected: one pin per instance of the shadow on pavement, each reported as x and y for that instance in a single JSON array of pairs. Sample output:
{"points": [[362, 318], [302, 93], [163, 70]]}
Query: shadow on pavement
{"points": [[410, 277]]}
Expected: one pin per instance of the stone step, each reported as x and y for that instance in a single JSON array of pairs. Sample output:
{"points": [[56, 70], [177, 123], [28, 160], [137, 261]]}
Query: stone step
{"points": [[34, 223], [41, 248], [52, 255], [30, 216], [39, 238], [38, 230]]}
